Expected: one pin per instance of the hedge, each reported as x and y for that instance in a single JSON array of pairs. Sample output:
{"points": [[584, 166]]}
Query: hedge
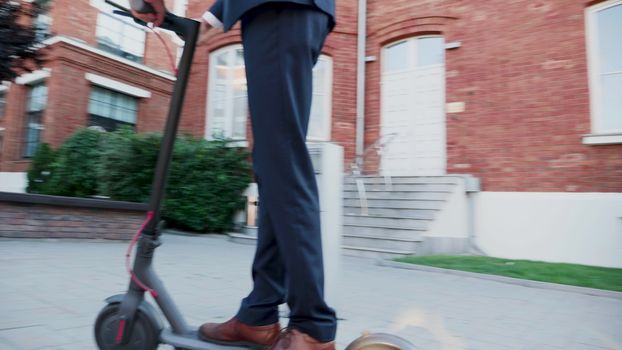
{"points": [[204, 188]]}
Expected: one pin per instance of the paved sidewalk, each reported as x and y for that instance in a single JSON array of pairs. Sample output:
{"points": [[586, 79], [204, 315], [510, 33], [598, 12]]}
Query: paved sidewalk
{"points": [[52, 290]]}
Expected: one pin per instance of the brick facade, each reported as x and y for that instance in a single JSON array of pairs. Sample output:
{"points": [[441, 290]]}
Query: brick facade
{"points": [[69, 90], [34, 216], [521, 72]]}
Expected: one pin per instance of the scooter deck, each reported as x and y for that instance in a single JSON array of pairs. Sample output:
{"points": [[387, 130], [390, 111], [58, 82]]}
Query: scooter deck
{"points": [[191, 341]]}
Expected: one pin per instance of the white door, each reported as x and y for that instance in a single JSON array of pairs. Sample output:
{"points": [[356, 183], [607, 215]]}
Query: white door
{"points": [[413, 108]]}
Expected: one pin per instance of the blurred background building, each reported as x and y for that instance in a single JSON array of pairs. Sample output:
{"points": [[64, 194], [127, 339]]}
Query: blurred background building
{"points": [[522, 96]]}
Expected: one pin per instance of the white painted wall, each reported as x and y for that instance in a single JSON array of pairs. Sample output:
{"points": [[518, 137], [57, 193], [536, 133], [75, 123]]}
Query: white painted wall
{"points": [[13, 182], [452, 220], [328, 164], [582, 228]]}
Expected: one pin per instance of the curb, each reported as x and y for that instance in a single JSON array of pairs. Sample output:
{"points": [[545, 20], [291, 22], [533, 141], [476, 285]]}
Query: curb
{"points": [[503, 279]]}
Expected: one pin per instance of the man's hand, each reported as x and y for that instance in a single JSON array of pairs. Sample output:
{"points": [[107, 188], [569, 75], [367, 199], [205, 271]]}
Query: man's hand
{"points": [[156, 17]]}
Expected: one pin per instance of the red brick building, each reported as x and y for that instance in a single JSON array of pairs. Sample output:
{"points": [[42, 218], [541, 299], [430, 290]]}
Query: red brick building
{"points": [[524, 95], [100, 71], [505, 91]]}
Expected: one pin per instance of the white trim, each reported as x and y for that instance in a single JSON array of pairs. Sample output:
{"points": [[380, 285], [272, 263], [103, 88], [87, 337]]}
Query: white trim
{"points": [[5, 86], [34, 77], [117, 85], [602, 139], [73, 42], [212, 20], [593, 67], [180, 8]]}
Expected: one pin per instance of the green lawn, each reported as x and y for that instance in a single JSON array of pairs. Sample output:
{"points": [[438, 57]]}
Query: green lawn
{"points": [[576, 275]]}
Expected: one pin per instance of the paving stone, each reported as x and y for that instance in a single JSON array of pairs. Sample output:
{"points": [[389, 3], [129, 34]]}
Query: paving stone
{"points": [[52, 290]]}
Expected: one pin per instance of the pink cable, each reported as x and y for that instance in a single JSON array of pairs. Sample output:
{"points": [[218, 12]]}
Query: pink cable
{"points": [[128, 257]]}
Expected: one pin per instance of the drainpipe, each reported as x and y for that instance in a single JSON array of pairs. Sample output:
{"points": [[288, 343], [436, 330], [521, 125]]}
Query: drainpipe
{"points": [[360, 83]]}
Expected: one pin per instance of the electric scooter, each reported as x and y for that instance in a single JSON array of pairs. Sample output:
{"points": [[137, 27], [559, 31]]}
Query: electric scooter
{"points": [[128, 321]]}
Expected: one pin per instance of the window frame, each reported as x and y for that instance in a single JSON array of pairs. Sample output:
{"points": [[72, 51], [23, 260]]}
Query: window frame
{"points": [[412, 48], [106, 10], [114, 98], [599, 135], [211, 85], [30, 114]]}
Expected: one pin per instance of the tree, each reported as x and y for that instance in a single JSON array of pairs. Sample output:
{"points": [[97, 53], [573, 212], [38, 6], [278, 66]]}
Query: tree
{"points": [[19, 44]]}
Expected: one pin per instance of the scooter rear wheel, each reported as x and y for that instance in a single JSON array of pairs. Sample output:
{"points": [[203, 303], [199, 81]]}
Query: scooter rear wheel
{"points": [[380, 341], [145, 334]]}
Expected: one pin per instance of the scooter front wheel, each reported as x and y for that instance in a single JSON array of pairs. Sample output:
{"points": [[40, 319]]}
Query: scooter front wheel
{"points": [[145, 333], [380, 341]]}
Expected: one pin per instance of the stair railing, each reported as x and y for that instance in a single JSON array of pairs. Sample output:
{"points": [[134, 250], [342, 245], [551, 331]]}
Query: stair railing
{"points": [[356, 169]]}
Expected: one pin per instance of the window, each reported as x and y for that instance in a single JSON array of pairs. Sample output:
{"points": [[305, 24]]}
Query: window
{"points": [[414, 53], [2, 103], [120, 36], [227, 97], [35, 106], [43, 23], [227, 108], [605, 62], [110, 109]]}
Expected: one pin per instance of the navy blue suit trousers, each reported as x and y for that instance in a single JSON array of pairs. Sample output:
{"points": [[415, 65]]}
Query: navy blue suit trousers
{"points": [[282, 43]]}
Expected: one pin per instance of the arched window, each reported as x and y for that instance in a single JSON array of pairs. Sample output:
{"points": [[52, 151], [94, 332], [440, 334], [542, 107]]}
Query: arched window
{"points": [[227, 104], [604, 26]]}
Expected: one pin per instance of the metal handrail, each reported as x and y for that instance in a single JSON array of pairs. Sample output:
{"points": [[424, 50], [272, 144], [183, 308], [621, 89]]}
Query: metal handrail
{"points": [[355, 169]]}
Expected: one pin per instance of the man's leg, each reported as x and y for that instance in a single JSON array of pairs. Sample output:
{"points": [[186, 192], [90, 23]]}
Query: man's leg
{"points": [[260, 307], [282, 43]]}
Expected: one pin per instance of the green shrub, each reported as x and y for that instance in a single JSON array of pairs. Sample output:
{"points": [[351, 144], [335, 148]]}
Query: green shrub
{"points": [[205, 184], [127, 164], [41, 169], [75, 170]]}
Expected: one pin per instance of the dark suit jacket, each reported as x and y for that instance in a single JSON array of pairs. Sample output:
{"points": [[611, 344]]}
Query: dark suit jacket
{"points": [[230, 11]]}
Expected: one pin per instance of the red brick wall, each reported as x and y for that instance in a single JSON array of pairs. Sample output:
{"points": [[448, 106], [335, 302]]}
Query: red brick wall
{"points": [[68, 99], [21, 220], [68, 89], [522, 74]]}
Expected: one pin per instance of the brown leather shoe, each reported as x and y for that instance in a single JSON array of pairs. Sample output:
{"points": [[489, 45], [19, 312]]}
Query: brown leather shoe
{"points": [[236, 333], [295, 340]]}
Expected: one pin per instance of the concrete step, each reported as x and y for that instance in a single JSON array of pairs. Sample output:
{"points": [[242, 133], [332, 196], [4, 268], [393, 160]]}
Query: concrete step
{"points": [[383, 232], [399, 187], [404, 179], [384, 221], [396, 203], [426, 214], [380, 243], [397, 195], [374, 253]]}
